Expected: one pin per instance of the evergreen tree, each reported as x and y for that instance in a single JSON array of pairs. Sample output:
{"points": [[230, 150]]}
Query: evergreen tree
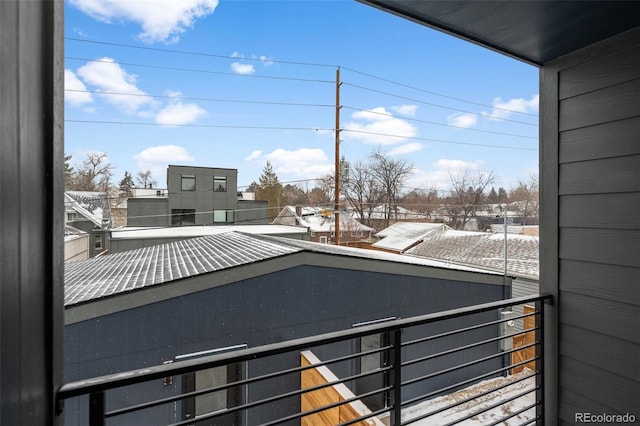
{"points": [[69, 173], [126, 184], [270, 189], [502, 195], [492, 198]]}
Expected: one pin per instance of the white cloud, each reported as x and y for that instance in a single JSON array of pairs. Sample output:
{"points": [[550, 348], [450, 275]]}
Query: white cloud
{"points": [[108, 76], [457, 165], [503, 109], [244, 69], [300, 163], [157, 158], [407, 148], [406, 109], [177, 113], [255, 155], [464, 120], [161, 20], [72, 82], [378, 126]]}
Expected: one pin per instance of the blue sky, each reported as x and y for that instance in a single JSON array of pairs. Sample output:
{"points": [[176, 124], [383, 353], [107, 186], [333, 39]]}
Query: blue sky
{"points": [[259, 84]]}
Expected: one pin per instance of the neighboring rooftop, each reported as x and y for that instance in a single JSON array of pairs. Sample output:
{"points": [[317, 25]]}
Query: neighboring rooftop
{"points": [[482, 250], [403, 235], [92, 205], [200, 231], [319, 219], [138, 269]]}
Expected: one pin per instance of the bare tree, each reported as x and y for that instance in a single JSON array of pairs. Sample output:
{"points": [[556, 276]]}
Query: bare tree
{"points": [[94, 174], [467, 194], [422, 201], [144, 179], [525, 196], [362, 191], [390, 174]]}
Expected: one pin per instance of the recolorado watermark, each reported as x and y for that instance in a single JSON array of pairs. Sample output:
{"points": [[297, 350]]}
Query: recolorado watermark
{"points": [[604, 418]]}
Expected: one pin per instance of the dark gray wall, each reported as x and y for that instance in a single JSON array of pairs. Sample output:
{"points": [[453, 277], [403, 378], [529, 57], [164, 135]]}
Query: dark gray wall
{"points": [[283, 305], [31, 210], [148, 212], [590, 233], [204, 199], [252, 212]]}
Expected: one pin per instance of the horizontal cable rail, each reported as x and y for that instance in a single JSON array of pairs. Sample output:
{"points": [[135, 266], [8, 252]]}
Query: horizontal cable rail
{"points": [[421, 370]]}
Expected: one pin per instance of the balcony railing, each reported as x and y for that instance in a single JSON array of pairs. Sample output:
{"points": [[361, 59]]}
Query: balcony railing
{"points": [[481, 364]]}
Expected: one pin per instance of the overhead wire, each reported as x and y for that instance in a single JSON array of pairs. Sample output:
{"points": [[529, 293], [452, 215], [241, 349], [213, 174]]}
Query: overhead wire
{"points": [[223, 126], [130, 64], [191, 98], [434, 105], [404, 117], [312, 64], [436, 93]]}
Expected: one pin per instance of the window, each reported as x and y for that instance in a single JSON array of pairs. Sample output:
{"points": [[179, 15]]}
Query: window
{"points": [[98, 241], [220, 183], [71, 216], [223, 216], [183, 217], [214, 401], [188, 182]]}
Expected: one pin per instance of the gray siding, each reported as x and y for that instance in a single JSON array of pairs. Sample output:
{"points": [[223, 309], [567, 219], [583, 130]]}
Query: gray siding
{"points": [[148, 212], [591, 198], [252, 212], [204, 199]]}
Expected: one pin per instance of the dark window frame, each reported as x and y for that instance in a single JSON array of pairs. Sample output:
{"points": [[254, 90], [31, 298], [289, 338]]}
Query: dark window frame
{"points": [[190, 180]]}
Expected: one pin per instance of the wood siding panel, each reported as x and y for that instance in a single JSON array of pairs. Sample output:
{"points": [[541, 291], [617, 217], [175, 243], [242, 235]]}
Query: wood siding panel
{"points": [[588, 382], [618, 320], [604, 72], [609, 175], [614, 283], [614, 247], [612, 355], [604, 140], [610, 104], [605, 211]]}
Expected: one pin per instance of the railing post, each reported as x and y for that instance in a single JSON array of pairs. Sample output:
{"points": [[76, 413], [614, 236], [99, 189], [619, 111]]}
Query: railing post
{"points": [[96, 409], [396, 378], [539, 336]]}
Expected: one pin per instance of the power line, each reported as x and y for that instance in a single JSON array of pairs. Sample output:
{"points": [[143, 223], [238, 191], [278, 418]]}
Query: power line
{"points": [[99, 92], [210, 55], [435, 93], [134, 123], [314, 64], [432, 104], [130, 64], [404, 117], [439, 140]]}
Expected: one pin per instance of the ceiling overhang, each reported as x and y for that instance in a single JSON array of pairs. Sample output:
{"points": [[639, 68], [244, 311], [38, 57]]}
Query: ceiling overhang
{"points": [[536, 32]]}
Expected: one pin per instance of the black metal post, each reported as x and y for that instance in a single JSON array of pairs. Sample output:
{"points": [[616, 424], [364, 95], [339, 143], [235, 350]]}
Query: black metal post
{"points": [[96, 409], [396, 378], [539, 336]]}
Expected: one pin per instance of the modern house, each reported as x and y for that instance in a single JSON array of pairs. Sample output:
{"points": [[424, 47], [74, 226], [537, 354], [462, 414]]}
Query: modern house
{"points": [[588, 56], [159, 304], [321, 224], [90, 212], [196, 196]]}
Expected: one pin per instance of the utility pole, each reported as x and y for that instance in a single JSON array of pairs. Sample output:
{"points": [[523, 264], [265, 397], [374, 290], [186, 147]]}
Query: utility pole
{"points": [[336, 206]]}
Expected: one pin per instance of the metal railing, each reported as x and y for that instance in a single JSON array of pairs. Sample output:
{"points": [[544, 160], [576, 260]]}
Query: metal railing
{"points": [[440, 368]]}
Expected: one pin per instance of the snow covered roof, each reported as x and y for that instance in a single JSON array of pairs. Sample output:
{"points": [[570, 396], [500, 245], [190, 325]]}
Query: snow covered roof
{"points": [[199, 231], [320, 219], [134, 270], [402, 235], [92, 205], [482, 250]]}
